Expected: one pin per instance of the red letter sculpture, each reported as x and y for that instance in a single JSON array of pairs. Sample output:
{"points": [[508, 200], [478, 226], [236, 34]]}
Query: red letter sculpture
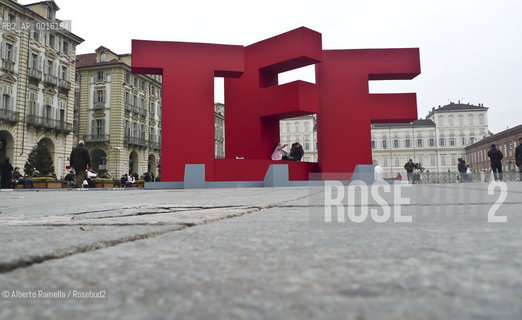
{"points": [[254, 102]]}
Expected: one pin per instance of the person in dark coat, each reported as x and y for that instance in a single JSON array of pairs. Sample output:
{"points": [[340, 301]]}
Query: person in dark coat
{"points": [[463, 170], [6, 171], [80, 161], [495, 157], [296, 152], [518, 156], [410, 166], [70, 179]]}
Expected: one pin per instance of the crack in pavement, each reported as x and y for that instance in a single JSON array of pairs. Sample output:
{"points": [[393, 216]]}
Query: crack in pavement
{"points": [[66, 252]]}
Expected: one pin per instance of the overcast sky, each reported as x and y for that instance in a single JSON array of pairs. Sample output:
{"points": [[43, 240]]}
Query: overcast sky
{"points": [[470, 50]]}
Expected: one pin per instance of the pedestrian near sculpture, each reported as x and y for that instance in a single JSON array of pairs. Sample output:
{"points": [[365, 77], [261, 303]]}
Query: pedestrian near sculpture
{"points": [[518, 157], [6, 172], [409, 166], [495, 157], [80, 161], [463, 170]]}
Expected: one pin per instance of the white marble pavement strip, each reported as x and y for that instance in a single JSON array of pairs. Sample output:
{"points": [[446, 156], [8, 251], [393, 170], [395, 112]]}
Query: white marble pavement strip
{"points": [[273, 264]]}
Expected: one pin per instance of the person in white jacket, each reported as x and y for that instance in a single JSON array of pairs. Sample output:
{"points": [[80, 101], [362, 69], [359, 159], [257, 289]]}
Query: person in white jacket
{"points": [[278, 151]]}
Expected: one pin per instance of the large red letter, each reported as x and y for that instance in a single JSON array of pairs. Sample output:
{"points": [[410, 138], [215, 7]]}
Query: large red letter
{"points": [[347, 108], [188, 97], [254, 103]]}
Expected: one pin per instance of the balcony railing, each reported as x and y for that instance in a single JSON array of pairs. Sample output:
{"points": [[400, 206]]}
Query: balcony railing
{"points": [[135, 109], [142, 112], [8, 115], [8, 65], [35, 74], [50, 79], [138, 141], [64, 84], [49, 123], [97, 138], [98, 105]]}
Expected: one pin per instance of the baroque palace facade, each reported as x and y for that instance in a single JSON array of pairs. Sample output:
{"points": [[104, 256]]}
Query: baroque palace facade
{"points": [[37, 83], [435, 142], [118, 114]]}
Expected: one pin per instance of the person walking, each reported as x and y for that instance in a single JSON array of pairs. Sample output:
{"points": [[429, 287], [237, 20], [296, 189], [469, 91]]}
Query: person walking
{"points": [[80, 161], [518, 156], [463, 170], [6, 172], [409, 166], [495, 157]]}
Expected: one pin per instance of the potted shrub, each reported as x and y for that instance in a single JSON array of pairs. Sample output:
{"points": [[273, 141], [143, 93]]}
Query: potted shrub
{"points": [[46, 183], [140, 183], [103, 183]]}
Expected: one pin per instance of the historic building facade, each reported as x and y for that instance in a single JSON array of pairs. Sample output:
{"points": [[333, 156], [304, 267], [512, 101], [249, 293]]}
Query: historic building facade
{"points": [[118, 114], [506, 141], [37, 83], [302, 130], [436, 142]]}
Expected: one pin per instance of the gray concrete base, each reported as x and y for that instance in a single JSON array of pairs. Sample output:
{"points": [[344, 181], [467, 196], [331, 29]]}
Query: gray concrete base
{"points": [[276, 176], [194, 176], [364, 172]]}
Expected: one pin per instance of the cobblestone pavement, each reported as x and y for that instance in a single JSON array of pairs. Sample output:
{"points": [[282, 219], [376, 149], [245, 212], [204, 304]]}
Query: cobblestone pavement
{"points": [[262, 253]]}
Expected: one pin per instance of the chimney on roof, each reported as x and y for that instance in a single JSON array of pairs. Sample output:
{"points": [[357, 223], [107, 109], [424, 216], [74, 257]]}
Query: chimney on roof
{"points": [[458, 101]]}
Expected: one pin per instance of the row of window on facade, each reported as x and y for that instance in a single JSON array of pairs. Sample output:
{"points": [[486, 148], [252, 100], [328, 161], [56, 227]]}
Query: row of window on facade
{"points": [[137, 82], [131, 100], [451, 119], [48, 111], [297, 127], [135, 129], [48, 67], [420, 143], [431, 160]]}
